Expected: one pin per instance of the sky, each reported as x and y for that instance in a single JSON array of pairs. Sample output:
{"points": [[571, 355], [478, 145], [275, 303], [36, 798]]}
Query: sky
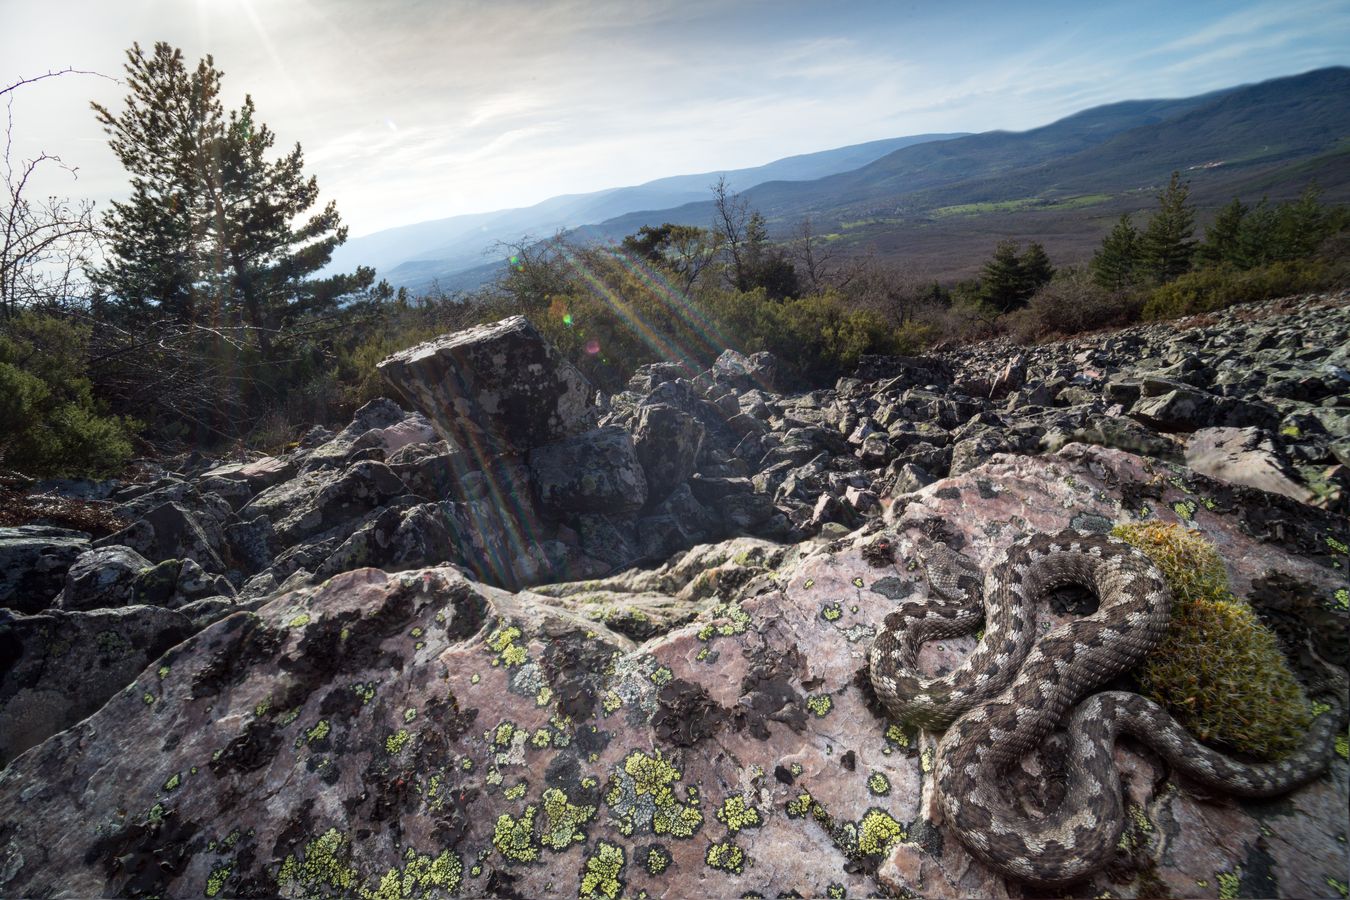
{"points": [[410, 110]]}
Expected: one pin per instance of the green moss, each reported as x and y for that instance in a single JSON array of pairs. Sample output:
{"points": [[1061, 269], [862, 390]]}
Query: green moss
{"points": [[600, 877], [736, 813], [878, 832], [726, 857], [1219, 670], [514, 838]]}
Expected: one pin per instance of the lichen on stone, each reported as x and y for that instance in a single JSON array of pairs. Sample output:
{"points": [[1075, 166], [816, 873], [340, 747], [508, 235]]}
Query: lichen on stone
{"points": [[725, 856], [601, 875], [737, 813], [878, 832], [642, 797], [514, 837]]}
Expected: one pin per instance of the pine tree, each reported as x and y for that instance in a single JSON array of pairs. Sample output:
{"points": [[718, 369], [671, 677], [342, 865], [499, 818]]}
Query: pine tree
{"points": [[1223, 238], [1115, 265], [1166, 247], [1003, 282], [211, 232], [1036, 269]]}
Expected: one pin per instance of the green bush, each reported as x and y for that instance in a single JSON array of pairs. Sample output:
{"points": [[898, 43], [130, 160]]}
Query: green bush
{"points": [[1219, 670], [1071, 303], [49, 423], [1218, 287]]}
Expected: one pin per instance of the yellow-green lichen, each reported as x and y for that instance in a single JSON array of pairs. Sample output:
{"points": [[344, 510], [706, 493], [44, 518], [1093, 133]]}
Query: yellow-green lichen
{"points": [[163, 672], [514, 838], [835, 891], [409, 714], [831, 612], [173, 782], [563, 820], [1219, 670], [658, 860], [325, 864], [516, 791], [600, 877], [878, 832], [726, 857], [820, 705], [897, 736], [365, 691], [662, 676], [215, 882], [503, 643], [611, 701], [320, 731], [1338, 886], [1343, 746], [396, 741], [642, 797], [299, 620], [926, 760], [502, 735], [1229, 883], [736, 813], [878, 784]]}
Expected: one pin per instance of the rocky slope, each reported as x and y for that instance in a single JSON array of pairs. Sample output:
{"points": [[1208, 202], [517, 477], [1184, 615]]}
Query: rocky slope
{"points": [[529, 641]]}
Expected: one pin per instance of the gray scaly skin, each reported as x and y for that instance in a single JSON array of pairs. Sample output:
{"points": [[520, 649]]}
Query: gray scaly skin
{"points": [[1004, 699]]}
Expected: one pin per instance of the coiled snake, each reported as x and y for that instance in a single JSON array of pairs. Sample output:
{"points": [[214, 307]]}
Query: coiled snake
{"points": [[1011, 692]]}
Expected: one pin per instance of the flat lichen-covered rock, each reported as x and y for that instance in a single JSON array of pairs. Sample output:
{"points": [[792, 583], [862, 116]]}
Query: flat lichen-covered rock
{"points": [[418, 733]]}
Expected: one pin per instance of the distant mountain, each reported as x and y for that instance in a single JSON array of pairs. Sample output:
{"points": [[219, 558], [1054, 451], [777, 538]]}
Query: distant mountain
{"points": [[415, 255], [946, 203]]}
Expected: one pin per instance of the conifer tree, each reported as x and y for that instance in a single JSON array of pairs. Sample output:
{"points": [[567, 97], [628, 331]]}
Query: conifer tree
{"points": [[1115, 264], [1223, 237], [1166, 247], [1003, 282], [215, 231], [1036, 269]]}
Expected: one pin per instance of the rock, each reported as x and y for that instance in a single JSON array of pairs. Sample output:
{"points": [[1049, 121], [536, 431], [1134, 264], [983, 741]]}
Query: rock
{"points": [[734, 671], [102, 578], [1244, 456], [62, 666], [667, 442], [34, 560], [500, 386], [170, 531], [597, 471]]}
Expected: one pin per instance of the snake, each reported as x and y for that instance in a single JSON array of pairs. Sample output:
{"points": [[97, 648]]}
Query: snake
{"points": [[1006, 698]]}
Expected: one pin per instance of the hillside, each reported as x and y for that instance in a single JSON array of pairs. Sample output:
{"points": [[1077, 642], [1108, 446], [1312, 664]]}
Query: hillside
{"points": [[414, 255], [943, 205]]}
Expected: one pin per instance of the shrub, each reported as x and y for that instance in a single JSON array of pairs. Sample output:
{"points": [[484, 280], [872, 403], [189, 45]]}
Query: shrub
{"points": [[1219, 670], [1071, 303], [49, 423], [1206, 290]]}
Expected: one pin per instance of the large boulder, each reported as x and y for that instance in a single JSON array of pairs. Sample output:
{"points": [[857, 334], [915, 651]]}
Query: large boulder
{"points": [[34, 560], [496, 387], [102, 578], [61, 666], [594, 472], [667, 442], [705, 728], [1244, 456]]}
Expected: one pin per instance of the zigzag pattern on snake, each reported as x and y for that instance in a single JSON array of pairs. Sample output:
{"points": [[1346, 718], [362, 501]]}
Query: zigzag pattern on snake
{"points": [[1005, 698]]}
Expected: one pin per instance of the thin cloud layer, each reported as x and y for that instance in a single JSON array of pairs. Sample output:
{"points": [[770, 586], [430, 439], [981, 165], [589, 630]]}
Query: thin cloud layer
{"points": [[421, 110]]}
